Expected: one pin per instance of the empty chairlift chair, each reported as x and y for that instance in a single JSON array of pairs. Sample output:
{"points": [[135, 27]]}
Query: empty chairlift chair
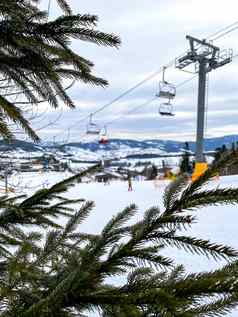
{"points": [[166, 90], [166, 109], [92, 128]]}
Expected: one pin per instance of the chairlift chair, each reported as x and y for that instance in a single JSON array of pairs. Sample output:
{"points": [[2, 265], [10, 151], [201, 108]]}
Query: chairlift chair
{"points": [[166, 109], [103, 136], [92, 128], [166, 90], [103, 141]]}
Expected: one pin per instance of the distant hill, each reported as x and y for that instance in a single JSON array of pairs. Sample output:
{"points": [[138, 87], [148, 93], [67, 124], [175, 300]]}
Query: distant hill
{"points": [[120, 146], [168, 146], [17, 145]]}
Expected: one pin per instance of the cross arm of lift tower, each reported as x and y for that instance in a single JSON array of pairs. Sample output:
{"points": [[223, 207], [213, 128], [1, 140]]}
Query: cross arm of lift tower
{"points": [[206, 52], [206, 57]]}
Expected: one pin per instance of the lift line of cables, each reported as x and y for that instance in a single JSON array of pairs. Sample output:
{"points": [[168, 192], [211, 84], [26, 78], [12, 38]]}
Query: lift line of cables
{"points": [[133, 110], [217, 35], [146, 103]]}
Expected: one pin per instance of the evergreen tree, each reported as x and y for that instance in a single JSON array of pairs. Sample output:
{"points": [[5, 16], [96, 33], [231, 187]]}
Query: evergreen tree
{"points": [[53, 270], [65, 272], [150, 172], [36, 57], [185, 161], [218, 153], [154, 171], [223, 148], [233, 147]]}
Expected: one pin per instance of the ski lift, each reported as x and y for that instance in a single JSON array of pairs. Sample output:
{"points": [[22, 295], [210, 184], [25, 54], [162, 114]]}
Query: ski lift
{"points": [[166, 109], [166, 90], [92, 128], [103, 136], [103, 141]]}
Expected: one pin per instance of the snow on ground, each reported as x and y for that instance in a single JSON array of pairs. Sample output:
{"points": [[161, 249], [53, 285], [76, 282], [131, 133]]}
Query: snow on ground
{"points": [[79, 166], [169, 161], [218, 224], [114, 151]]}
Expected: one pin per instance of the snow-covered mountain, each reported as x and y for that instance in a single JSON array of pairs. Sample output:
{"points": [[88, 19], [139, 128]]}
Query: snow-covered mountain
{"points": [[115, 147]]}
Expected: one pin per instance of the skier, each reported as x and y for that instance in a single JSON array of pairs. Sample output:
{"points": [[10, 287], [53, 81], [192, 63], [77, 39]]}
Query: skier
{"points": [[129, 182]]}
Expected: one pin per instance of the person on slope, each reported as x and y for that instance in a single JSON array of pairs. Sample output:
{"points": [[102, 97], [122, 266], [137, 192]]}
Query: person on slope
{"points": [[129, 182]]}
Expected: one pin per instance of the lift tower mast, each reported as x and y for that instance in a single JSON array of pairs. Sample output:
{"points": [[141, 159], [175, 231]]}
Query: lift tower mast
{"points": [[205, 57]]}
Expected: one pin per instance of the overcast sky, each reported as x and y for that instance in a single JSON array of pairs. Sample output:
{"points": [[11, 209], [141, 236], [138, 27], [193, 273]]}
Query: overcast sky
{"points": [[152, 33]]}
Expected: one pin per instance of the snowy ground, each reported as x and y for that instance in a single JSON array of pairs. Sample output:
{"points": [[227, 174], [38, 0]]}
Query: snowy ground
{"points": [[218, 224]]}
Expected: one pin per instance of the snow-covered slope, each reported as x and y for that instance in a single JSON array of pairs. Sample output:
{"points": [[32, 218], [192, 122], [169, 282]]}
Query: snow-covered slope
{"points": [[215, 223]]}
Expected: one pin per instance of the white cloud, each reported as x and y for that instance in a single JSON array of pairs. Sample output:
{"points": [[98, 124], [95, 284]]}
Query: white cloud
{"points": [[153, 33]]}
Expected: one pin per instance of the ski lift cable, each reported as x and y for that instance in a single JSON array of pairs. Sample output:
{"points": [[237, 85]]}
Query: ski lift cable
{"points": [[147, 102], [169, 64], [82, 136], [217, 35], [125, 93], [222, 30], [225, 33], [45, 100], [131, 111], [51, 123], [207, 93], [118, 97]]}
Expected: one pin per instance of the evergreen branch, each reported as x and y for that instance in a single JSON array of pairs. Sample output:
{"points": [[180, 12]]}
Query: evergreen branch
{"points": [[218, 307], [174, 190], [77, 218], [119, 220], [226, 196], [194, 245], [16, 116], [64, 6], [225, 160], [60, 187]]}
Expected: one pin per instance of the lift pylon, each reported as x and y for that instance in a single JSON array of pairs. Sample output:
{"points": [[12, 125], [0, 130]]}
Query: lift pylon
{"points": [[205, 57]]}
